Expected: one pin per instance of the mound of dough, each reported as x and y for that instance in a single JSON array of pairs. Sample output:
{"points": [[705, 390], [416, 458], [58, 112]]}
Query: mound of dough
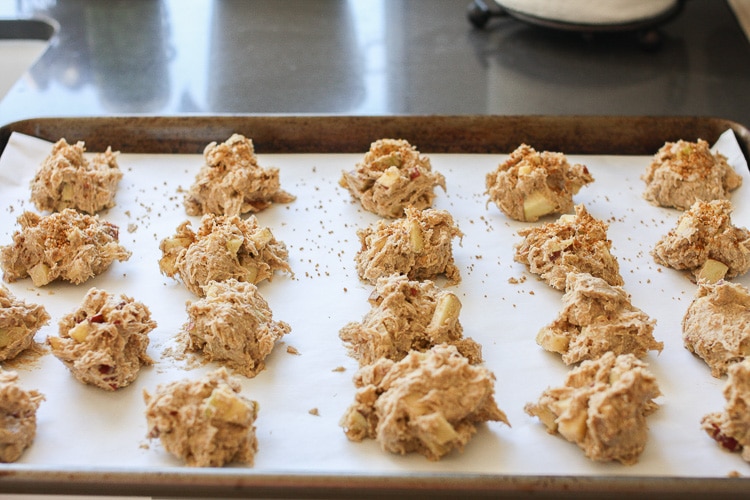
{"points": [[223, 248], [66, 179], [572, 244], [683, 172], [706, 243], [597, 317], [429, 403], [66, 245], [103, 342], [233, 325], [19, 322], [530, 185], [407, 315], [206, 422], [231, 182], [602, 407], [392, 176], [716, 325], [17, 417], [418, 245], [731, 428]]}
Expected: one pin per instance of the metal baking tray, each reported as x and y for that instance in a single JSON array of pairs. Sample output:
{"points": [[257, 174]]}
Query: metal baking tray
{"points": [[595, 135]]}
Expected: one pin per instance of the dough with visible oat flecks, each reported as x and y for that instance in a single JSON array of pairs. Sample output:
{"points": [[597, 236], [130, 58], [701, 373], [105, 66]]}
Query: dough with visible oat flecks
{"points": [[428, 403], [103, 343], [224, 247], [17, 417], [205, 422], [731, 428], [407, 315], [602, 407], [419, 245], [234, 325], [19, 322], [393, 175], [231, 182], [530, 184]]}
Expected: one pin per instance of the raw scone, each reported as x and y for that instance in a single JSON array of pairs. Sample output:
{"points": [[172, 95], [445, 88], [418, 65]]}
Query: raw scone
{"points": [[206, 422], [224, 247], [731, 428], [17, 417], [233, 325], [683, 172], [392, 176], [67, 179], [706, 243], [19, 321], [602, 407], [530, 184], [103, 342], [597, 317], [716, 325], [231, 182], [407, 315], [574, 243], [66, 245], [429, 403], [418, 245]]}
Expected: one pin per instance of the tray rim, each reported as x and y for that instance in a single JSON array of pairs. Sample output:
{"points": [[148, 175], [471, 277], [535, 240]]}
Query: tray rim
{"points": [[274, 133], [312, 133]]}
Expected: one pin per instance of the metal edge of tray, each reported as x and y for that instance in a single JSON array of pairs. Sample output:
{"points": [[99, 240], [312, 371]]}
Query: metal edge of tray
{"points": [[623, 135], [348, 134]]}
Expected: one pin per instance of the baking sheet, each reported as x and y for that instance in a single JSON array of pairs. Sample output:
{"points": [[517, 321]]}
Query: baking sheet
{"points": [[84, 428]]}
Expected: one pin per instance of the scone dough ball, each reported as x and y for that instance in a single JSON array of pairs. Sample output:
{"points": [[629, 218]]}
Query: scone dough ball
{"points": [[222, 248], [716, 325], [428, 403], [407, 315], [602, 407], [573, 243], [103, 343], [597, 317], [19, 322], [683, 172], [731, 428], [530, 184], [392, 176], [17, 417], [205, 422], [233, 325], [67, 179], [419, 245], [706, 243], [66, 245], [231, 182]]}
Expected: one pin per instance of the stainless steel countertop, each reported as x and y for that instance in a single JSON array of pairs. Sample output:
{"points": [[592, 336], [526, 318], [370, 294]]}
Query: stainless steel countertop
{"points": [[369, 57]]}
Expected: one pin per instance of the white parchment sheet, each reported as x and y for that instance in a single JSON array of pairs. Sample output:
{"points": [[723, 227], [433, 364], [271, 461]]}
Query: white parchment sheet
{"points": [[85, 427]]}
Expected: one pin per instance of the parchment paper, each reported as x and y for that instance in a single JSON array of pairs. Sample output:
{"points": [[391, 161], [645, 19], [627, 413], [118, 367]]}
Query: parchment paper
{"points": [[83, 427]]}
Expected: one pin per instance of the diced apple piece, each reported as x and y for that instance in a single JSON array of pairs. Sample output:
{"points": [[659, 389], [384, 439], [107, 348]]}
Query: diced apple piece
{"points": [[547, 417], [262, 238], [80, 331], [175, 242], [711, 271], [685, 227], [524, 170], [536, 205], [8, 334], [446, 312], [571, 426], [552, 341], [66, 193], [389, 177], [251, 274], [40, 274], [225, 404], [439, 432], [234, 244], [416, 240]]}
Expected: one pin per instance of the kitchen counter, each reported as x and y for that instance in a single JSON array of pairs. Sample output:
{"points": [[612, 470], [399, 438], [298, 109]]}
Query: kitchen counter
{"points": [[369, 57]]}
